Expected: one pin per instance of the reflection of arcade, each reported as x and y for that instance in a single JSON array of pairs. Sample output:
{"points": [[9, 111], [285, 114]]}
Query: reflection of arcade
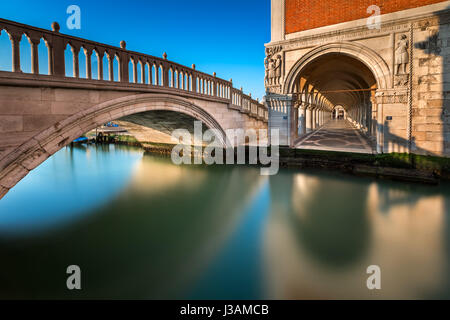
{"points": [[325, 231]]}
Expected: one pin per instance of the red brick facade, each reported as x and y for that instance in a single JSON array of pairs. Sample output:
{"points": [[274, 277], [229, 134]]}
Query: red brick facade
{"points": [[309, 14]]}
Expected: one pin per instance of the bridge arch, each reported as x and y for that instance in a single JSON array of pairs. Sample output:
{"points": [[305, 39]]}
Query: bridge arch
{"points": [[18, 163]]}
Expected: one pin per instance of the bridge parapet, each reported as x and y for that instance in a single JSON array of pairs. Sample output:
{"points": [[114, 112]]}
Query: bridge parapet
{"points": [[146, 70]]}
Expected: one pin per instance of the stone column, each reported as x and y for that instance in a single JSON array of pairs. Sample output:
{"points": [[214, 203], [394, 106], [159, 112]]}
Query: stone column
{"points": [[380, 126], [88, 54], [194, 81], [51, 70], [111, 67], [135, 70], [15, 45], [313, 118], [100, 55], [293, 123], [302, 119], [317, 118], [34, 55], [123, 67], [58, 47], [308, 118], [76, 66]]}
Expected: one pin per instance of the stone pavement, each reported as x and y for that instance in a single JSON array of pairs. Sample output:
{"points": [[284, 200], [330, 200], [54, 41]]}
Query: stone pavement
{"points": [[336, 135]]}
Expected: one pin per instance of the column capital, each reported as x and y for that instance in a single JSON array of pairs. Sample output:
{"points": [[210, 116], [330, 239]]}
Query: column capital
{"points": [[303, 105]]}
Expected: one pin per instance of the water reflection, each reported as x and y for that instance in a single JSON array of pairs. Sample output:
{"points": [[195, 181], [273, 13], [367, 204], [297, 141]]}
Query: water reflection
{"points": [[141, 227], [150, 240], [336, 226], [65, 187]]}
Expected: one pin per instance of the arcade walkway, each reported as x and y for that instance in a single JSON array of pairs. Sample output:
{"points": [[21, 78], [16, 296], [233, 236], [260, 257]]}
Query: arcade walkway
{"points": [[336, 135]]}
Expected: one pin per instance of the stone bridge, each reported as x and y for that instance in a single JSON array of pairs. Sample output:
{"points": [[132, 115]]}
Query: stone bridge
{"points": [[41, 113]]}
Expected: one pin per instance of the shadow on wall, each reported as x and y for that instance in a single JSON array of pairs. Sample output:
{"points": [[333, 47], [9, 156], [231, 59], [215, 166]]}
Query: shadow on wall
{"points": [[398, 144], [431, 103], [430, 114]]}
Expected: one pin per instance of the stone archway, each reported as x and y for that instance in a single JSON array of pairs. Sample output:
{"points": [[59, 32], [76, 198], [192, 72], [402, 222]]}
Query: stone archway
{"points": [[345, 74], [32, 153], [367, 56]]}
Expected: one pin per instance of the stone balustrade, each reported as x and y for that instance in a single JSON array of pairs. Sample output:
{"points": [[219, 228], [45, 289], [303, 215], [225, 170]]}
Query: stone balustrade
{"points": [[145, 69]]}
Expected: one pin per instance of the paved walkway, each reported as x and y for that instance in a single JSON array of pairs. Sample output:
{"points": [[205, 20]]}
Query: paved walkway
{"points": [[336, 135]]}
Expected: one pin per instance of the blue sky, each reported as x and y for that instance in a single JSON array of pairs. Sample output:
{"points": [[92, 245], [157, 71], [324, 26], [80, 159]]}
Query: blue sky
{"points": [[226, 37]]}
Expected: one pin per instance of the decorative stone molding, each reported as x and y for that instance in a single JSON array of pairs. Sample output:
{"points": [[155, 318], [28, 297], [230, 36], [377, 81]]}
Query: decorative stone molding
{"points": [[391, 96], [341, 35]]}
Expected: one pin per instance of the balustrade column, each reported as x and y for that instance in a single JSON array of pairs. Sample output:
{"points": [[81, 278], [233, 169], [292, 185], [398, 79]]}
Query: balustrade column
{"points": [[165, 75], [34, 55], [172, 78], [150, 74], [157, 80], [142, 72], [194, 83], [88, 53], [111, 67], [123, 67], [76, 63], [15, 45], [135, 75], [51, 69], [100, 65], [182, 84]]}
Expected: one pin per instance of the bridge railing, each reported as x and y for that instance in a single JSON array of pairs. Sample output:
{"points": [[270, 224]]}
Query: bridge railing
{"points": [[245, 103], [145, 69]]}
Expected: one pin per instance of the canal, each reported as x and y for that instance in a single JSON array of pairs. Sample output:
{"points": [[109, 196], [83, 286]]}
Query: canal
{"points": [[140, 227]]}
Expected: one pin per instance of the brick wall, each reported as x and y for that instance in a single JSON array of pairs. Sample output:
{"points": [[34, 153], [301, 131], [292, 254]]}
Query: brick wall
{"points": [[309, 14]]}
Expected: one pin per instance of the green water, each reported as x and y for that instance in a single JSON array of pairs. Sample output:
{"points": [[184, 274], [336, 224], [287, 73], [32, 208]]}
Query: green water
{"points": [[140, 227]]}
